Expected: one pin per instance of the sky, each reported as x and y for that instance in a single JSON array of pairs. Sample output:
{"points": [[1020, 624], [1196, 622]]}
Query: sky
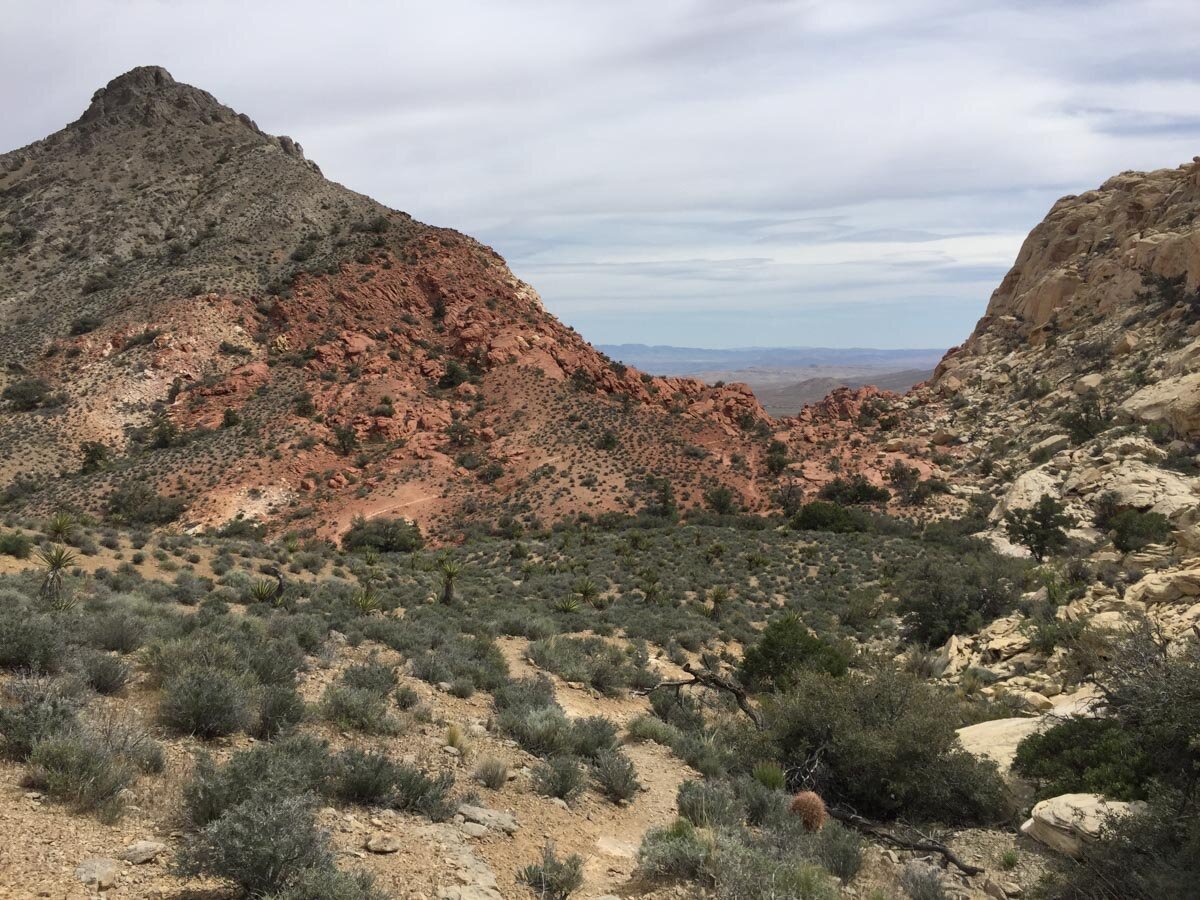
{"points": [[711, 173]]}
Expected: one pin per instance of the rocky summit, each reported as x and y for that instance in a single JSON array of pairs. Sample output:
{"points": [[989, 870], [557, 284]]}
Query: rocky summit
{"points": [[333, 565]]}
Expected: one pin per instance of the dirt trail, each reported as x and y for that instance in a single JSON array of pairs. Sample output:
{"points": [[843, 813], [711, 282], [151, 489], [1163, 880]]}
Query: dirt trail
{"points": [[605, 835]]}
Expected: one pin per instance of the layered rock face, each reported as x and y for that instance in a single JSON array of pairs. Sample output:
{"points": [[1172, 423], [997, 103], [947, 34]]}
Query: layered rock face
{"points": [[166, 268]]}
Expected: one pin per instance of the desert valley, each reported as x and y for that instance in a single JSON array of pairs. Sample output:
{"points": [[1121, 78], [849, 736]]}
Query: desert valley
{"points": [[334, 565]]}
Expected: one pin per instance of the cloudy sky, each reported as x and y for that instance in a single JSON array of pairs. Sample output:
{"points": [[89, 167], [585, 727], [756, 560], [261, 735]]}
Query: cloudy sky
{"points": [[697, 172]]}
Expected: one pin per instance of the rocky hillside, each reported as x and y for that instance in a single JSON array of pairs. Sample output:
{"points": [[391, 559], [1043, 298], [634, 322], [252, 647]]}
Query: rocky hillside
{"points": [[187, 303]]}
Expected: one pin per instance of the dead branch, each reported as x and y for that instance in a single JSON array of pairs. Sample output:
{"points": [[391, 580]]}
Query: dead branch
{"points": [[718, 682], [922, 843]]}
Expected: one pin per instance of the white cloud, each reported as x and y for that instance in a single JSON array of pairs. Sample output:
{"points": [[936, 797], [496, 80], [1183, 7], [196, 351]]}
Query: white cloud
{"points": [[656, 168]]}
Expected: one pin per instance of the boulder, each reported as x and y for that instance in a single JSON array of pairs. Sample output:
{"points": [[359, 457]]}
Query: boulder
{"points": [[489, 818], [1138, 485], [141, 852], [1050, 446], [997, 739], [1166, 587], [1066, 822], [1025, 491], [99, 872], [1173, 401]]}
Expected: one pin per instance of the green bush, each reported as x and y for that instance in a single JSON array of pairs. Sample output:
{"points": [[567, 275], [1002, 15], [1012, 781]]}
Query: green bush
{"points": [[785, 649], [140, 504], [1082, 755], [1039, 528], [417, 792], [357, 709], [363, 777], [43, 708], [279, 708], [384, 535], [615, 776], [552, 878], [559, 776], [29, 394], [852, 491], [940, 597], [30, 643], [709, 804], [747, 872], [823, 516], [887, 748], [293, 766], [492, 773], [13, 543], [651, 728], [1134, 530], [103, 673], [73, 767], [207, 703], [593, 736], [262, 845], [676, 851], [330, 884]]}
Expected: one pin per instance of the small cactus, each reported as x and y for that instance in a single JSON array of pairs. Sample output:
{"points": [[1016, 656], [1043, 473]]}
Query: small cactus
{"points": [[811, 809]]}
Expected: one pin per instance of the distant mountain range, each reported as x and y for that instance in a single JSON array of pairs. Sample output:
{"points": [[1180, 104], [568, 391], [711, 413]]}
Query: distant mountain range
{"points": [[667, 360], [786, 378]]}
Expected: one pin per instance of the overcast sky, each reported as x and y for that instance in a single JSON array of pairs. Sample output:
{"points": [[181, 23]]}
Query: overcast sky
{"points": [[696, 172]]}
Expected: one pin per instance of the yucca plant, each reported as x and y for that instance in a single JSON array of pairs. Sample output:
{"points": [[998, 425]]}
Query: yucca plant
{"points": [[370, 556], [366, 600], [55, 560], [291, 543], [770, 775], [588, 591], [566, 604], [450, 570], [263, 591], [60, 526]]}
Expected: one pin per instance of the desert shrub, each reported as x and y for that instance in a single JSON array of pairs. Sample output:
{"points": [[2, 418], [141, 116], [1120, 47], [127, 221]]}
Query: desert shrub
{"points": [[30, 394], [262, 844], [492, 773], [852, 491], [1133, 530], [384, 535], [939, 598], [676, 851], [330, 884], [207, 703], [761, 805], [71, 766], [1081, 755], [837, 849], [127, 740], [615, 776], [770, 775], [650, 728], [785, 648], [417, 792], [360, 776], [371, 676], [13, 543], [889, 749], [593, 736], [31, 643], [42, 708], [542, 731], [295, 765], [1087, 420], [103, 673], [120, 631], [821, 515], [552, 878], [921, 882], [278, 708], [1039, 528], [357, 709], [708, 804], [140, 504], [745, 871], [606, 667], [559, 776]]}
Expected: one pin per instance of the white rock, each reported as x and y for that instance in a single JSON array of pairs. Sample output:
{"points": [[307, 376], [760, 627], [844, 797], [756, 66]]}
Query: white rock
{"points": [[1066, 822]]}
